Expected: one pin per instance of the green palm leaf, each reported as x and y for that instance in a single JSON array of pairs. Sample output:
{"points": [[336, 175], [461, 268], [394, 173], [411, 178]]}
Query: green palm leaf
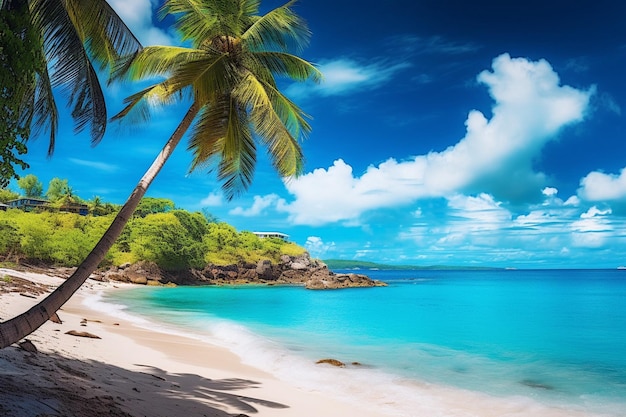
{"points": [[76, 34], [281, 28]]}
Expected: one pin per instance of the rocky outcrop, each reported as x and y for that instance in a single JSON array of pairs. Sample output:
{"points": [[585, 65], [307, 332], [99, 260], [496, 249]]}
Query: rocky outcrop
{"points": [[291, 270]]}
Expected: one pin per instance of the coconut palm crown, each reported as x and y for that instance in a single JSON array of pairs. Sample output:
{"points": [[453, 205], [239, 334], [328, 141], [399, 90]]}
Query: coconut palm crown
{"points": [[229, 74]]}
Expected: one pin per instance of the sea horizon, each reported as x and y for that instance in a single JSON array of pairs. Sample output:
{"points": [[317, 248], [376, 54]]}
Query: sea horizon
{"points": [[511, 339]]}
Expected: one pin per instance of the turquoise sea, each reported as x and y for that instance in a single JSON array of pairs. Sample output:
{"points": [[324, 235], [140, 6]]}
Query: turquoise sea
{"points": [[527, 342]]}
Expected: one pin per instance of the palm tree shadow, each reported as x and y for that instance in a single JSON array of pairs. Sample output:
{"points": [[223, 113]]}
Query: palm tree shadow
{"points": [[53, 385], [217, 392]]}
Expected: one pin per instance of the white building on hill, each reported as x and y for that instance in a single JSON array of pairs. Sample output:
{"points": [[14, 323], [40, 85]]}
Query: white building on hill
{"points": [[266, 235]]}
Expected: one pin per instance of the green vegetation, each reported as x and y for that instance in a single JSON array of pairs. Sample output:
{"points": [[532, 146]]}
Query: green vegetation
{"points": [[18, 57], [351, 264], [176, 239], [31, 186]]}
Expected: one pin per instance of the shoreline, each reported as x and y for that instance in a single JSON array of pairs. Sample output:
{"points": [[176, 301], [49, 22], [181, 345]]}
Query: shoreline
{"points": [[133, 371], [141, 369]]}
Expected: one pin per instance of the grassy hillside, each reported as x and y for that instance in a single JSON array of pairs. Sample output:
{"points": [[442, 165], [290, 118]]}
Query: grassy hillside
{"points": [[175, 240]]}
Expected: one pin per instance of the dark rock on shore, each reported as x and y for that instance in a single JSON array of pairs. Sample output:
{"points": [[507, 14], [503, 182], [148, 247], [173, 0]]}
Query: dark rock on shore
{"points": [[291, 270]]}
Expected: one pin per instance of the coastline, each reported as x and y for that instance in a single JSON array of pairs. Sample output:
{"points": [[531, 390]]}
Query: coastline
{"points": [[134, 371]]}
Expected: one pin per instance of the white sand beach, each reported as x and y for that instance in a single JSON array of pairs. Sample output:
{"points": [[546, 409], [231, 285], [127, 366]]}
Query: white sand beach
{"points": [[132, 371]]}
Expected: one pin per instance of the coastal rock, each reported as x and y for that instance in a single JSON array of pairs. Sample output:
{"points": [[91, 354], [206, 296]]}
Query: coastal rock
{"points": [[264, 269], [333, 362], [290, 270]]}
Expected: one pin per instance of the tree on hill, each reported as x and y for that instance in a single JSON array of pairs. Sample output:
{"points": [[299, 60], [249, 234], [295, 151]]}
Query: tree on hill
{"points": [[31, 186], [228, 73], [97, 207], [56, 189]]}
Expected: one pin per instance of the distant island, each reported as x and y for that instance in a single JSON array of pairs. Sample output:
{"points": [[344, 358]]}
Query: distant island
{"points": [[352, 264]]}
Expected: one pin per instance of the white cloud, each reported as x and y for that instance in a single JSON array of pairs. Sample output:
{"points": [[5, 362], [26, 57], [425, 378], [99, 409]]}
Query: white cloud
{"points": [[593, 229], [317, 248], [495, 157], [551, 229], [212, 200], [549, 191], [100, 166], [259, 204], [595, 212], [598, 186], [138, 16], [344, 76]]}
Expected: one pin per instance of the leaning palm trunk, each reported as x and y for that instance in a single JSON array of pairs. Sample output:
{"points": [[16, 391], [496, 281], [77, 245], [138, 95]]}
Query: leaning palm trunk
{"points": [[13, 330]]}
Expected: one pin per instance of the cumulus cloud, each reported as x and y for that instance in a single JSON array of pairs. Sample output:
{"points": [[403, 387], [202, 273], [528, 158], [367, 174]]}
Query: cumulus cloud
{"points": [[138, 16], [212, 200], [598, 186], [317, 248], [494, 157], [259, 205], [345, 75], [593, 229]]}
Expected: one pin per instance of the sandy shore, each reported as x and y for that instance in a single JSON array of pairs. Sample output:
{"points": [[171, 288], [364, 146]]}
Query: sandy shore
{"points": [[132, 371]]}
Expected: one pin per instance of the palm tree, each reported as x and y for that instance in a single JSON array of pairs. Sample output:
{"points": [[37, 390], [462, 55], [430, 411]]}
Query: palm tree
{"points": [[71, 37], [228, 75], [96, 206]]}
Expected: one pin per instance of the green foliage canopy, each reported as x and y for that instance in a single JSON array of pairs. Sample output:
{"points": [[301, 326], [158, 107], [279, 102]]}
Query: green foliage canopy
{"points": [[151, 205], [18, 58], [56, 189], [31, 186], [7, 195]]}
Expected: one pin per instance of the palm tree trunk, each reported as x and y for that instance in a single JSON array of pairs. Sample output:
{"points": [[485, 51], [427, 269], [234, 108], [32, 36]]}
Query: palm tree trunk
{"points": [[13, 330]]}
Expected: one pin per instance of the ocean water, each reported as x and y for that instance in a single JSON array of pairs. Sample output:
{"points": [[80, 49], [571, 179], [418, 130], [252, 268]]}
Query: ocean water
{"points": [[432, 343]]}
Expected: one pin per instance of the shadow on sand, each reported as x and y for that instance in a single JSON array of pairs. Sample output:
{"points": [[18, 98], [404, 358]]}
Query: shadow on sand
{"points": [[52, 385]]}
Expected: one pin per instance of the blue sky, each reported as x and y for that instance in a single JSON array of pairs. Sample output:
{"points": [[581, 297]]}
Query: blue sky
{"points": [[483, 133]]}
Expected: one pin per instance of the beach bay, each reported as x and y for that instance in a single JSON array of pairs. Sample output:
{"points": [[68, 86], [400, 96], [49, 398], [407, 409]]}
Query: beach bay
{"points": [[447, 343]]}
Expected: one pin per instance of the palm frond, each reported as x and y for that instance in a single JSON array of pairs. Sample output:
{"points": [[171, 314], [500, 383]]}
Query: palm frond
{"points": [[139, 105], [282, 145], [222, 140], [154, 61], [199, 20], [249, 7], [294, 119], [287, 65], [280, 28], [103, 32], [238, 158], [70, 67], [46, 115]]}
